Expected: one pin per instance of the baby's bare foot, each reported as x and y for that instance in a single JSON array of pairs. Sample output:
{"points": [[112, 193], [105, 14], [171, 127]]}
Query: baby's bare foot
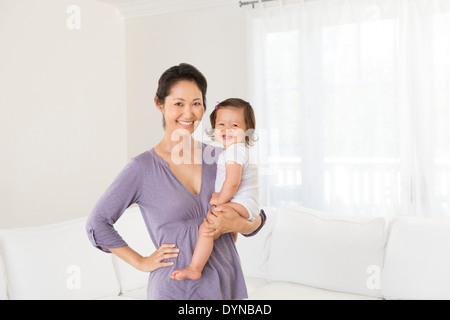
{"points": [[187, 273]]}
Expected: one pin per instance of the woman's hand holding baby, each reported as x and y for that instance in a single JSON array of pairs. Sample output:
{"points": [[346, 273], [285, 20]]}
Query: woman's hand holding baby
{"points": [[223, 219]]}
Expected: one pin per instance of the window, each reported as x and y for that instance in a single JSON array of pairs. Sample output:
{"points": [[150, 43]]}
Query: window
{"points": [[352, 106]]}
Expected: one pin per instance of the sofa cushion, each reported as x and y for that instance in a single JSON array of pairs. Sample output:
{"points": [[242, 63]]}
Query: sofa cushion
{"points": [[254, 283], [56, 261], [3, 292], [337, 253], [293, 291], [132, 229], [254, 251], [417, 261]]}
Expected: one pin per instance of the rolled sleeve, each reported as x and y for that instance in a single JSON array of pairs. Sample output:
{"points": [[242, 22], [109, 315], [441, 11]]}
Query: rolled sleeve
{"points": [[263, 222], [103, 236]]}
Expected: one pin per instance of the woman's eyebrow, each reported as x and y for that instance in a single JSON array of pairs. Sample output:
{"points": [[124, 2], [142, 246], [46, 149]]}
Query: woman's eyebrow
{"points": [[185, 100]]}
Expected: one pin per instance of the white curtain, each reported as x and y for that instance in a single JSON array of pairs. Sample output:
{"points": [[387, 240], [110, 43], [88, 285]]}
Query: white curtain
{"points": [[352, 99]]}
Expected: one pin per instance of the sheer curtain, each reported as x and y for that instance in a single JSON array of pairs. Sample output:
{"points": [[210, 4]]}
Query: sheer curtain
{"points": [[352, 101]]}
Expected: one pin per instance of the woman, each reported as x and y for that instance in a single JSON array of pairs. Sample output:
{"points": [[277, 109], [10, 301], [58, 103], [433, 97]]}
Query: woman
{"points": [[172, 184]]}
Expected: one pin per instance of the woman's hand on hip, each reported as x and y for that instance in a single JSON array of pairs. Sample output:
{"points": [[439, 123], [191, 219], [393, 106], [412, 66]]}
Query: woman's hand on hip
{"points": [[155, 261]]}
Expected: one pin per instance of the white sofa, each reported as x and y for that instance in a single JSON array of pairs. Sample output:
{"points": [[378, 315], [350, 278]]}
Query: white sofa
{"points": [[299, 254]]}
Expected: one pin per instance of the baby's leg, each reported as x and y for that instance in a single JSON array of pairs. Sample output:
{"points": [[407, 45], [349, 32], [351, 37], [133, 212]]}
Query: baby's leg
{"points": [[239, 208], [201, 254]]}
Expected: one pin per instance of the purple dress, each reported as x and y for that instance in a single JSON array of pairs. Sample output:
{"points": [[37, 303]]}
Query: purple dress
{"points": [[172, 214]]}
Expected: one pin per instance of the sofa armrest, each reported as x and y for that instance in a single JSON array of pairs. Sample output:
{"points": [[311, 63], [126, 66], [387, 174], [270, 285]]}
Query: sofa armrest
{"points": [[55, 261]]}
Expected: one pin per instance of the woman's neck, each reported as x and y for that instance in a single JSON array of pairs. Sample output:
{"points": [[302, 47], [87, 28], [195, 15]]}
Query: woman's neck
{"points": [[181, 148]]}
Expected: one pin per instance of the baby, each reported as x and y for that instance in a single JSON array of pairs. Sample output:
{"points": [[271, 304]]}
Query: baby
{"points": [[236, 179]]}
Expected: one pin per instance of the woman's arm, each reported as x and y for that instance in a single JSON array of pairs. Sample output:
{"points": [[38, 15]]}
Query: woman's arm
{"points": [[223, 219], [122, 193]]}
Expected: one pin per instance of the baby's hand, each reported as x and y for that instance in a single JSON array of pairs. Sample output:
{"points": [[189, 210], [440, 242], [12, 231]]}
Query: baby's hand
{"points": [[215, 199]]}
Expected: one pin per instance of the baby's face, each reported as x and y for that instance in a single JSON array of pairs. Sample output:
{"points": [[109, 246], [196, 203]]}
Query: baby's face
{"points": [[230, 126]]}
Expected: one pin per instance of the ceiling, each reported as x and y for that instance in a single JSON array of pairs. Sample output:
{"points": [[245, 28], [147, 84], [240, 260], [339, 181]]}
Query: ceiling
{"points": [[138, 8]]}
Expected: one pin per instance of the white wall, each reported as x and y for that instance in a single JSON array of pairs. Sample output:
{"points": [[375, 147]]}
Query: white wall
{"points": [[77, 104], [212, 39], [63, 109]]}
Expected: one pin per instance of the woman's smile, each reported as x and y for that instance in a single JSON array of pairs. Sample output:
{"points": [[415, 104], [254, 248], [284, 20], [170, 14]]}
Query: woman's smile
{"points": [[186, 124]]}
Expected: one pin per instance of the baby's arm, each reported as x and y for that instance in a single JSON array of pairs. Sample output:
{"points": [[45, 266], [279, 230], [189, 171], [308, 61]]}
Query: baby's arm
{"points": [[231, 184]]}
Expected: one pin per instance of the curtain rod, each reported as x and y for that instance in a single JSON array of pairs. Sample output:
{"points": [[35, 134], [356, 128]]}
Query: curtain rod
{"points": [[246, 3]]}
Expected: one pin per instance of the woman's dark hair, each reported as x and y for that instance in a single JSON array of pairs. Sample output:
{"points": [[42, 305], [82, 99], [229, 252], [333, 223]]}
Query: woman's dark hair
{"points": [[174, 74], [249, 116]]}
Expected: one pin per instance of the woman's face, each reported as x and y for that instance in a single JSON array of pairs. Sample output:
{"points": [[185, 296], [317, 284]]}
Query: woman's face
{"points": [[183, 107]]}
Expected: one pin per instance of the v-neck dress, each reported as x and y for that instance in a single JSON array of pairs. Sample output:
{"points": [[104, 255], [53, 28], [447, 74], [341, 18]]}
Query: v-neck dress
{"points": [[172, 214]]}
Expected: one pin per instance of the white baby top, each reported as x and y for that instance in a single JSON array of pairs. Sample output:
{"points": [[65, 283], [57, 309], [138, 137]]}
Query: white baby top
{"points": [[247, 193]]}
